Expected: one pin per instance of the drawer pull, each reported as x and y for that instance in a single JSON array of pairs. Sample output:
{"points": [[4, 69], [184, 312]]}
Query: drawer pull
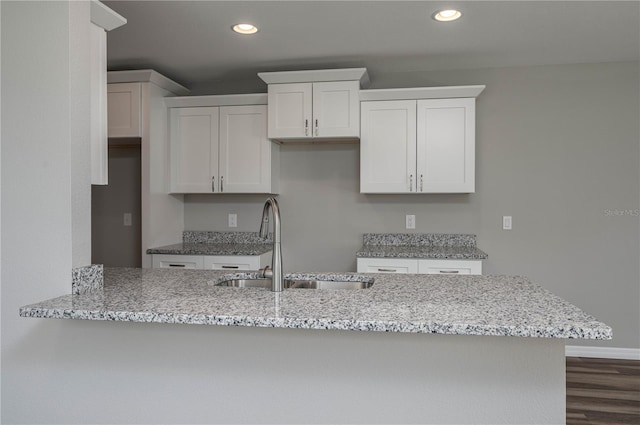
{"points": [[176, 265], [449, 271], [230, 267], [387, 270]]}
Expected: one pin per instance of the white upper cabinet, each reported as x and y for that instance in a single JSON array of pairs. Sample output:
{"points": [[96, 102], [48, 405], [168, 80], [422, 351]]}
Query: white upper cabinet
{"points": [[124, 110], [194, 150], [221, 149], [388, 147], [446, 146], [418, 146], [314, 105], [245, 151], [103, 19]]}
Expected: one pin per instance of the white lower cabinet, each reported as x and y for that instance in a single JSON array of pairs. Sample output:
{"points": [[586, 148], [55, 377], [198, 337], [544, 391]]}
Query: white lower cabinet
{"points": [[419, 266], [211, 262], [177, 261]]}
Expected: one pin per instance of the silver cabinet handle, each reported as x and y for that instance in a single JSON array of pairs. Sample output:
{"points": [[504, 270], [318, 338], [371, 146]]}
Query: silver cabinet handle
{"points": [[421, 183], [221, 184], [213, 183], [306, 127], [387, 270], [448, 271], [410, 182], [316, 126]]}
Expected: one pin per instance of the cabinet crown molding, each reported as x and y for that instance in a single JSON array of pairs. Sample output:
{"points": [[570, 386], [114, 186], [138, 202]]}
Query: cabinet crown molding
{"points": [[147, 76], [216, 100], [445, 92], [317, 75], [104, 17]]}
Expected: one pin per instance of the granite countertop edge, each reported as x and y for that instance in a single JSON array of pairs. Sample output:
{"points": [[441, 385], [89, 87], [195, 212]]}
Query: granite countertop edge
{"points": [[503, 306], [424, 252], [212, 249]]}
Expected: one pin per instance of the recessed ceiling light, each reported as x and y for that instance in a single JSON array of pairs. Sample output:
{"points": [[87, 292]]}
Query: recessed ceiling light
{"points": [[244, 29], [447, 15]]}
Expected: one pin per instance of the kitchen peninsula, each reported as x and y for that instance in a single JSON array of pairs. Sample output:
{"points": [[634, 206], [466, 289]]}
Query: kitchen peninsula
{"points": [[496, 346]]}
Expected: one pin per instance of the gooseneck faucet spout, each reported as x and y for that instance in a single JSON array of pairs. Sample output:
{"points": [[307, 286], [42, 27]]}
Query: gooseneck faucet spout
{"points": [[276, 259]]}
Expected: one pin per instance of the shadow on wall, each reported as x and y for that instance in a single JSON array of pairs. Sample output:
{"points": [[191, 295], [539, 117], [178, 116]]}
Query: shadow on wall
{"points": [[116, 238]]}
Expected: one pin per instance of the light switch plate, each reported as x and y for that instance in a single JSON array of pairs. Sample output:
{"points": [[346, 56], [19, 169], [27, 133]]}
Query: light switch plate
{"points": [[507, 222], [233, 220], [127, 219]]}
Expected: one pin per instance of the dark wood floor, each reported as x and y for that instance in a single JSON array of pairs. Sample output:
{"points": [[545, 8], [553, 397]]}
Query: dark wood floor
{"points": [[603, 391]]}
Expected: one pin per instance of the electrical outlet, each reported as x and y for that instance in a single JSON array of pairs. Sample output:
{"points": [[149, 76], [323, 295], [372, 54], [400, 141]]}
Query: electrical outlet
{"points": [[127, 219], [507, 222], [233, 220], [411, 221]]}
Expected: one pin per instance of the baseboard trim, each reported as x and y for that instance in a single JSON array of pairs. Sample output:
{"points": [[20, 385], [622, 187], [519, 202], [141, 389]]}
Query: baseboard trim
{"points": [[602, 352]]}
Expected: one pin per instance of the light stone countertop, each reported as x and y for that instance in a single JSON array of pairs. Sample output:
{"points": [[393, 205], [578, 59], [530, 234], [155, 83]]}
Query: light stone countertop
{"points": [[212, 249], [449, 246], [461, 305]]}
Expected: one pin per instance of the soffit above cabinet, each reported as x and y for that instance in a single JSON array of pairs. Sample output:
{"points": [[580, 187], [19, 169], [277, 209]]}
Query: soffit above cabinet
{"points": [[317, 75], [446, 92]]}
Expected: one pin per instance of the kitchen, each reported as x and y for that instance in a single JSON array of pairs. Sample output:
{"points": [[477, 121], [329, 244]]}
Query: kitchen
{"points": [[545, 176]]}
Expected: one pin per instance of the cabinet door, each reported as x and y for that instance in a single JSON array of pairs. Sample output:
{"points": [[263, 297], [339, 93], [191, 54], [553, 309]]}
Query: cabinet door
{"points": [[162, 261], [231, 262], [388, 147], [245, 150], [289, 110], [194, 150], [124, 110], [387, 265], [446, 146], [336, 109], [450, 266]]}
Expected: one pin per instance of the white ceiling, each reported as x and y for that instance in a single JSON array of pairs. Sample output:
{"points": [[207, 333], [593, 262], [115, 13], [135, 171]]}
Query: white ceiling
{"points": [[192, 41]]}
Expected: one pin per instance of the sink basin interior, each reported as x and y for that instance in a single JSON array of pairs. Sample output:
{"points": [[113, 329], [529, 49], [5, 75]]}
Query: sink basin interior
{"points": [[298, 284]]}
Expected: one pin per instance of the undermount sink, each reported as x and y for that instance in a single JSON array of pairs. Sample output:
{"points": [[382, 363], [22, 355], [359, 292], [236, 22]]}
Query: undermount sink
{"points": [[297, 284]]}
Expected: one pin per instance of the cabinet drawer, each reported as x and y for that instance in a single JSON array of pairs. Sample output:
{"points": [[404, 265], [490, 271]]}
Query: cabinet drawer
{"points": [[452, 267], [387, 265], [236, 262], [162, 261]]}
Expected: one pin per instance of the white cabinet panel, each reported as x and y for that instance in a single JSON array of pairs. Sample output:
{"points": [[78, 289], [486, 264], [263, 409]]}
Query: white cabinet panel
{"points": [[388, 147], [419, 146], [99, 141], [307, 111], [420, 266], [162, 261], [245, 150], [336, 111], [450, 266], [446, 145], [387, 265], [290, 110], [124, 110], [236, 262], [194, 150], [222, 150]]}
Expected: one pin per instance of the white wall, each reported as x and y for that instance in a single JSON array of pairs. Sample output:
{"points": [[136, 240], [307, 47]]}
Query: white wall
{"points": [[557, 146]]}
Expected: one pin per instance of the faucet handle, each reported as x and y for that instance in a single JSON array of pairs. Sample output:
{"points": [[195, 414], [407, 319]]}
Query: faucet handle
{"points": [[266, 272]]}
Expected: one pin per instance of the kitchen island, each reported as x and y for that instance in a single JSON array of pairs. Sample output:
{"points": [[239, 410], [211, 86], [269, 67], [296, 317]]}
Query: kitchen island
{"points": [[494, 350]]}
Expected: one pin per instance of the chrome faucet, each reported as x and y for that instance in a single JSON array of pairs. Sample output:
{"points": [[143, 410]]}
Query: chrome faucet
{"points": [[276, 260]]}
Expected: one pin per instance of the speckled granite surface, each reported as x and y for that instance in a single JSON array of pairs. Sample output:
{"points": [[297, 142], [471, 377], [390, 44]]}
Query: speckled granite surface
{"points": [[87, 279], [420, 245], [191, 236], [212, 249], [462, 305], [216, 243]]}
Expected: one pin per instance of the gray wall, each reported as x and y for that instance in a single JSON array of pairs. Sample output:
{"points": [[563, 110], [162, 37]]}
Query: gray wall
{"points": [[557, 148], [112, 243]]}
